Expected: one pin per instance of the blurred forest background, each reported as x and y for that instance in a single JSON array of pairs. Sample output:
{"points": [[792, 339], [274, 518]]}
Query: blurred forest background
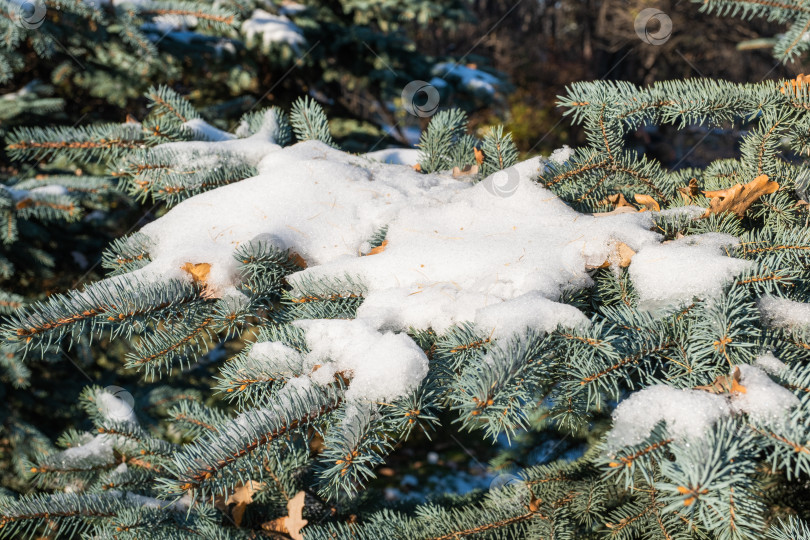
{"points": [[352, 63], [503, 61]]}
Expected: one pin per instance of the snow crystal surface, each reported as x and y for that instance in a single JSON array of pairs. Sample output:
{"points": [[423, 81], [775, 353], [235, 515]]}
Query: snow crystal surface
{"points": [[783, 313], [561, 155], [381, 366], [455, 252], [274, 356], [395, 156], [763, 399], [688, 414], [770, 364], [669, 275], [531, 310], [272, 29]]}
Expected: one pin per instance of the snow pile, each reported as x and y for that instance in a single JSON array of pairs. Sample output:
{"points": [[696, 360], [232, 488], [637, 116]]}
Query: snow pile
{"points": [[380, 366], [668, 275], [272, 29], [689, 414], [763, 400], [395, 156], [468, 78], [770, 364], [530, 310], [455, 251], [783, 313], [275, 357], [205, 131], [561, 155], [93, 451], [117, 408]]}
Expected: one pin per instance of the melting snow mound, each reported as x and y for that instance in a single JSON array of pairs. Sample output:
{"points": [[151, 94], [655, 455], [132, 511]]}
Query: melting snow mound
{"points": [[455, 251]]}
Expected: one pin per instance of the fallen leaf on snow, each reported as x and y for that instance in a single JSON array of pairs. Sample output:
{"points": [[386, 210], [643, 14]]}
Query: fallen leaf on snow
{"points": [[379, 249], [726, 384], [621, 256], [198, 271]]}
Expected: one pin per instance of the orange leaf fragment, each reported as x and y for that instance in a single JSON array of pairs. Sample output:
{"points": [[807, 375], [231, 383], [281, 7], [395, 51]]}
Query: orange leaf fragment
{"points": [[379, 249], [689, 192], [618, 200], [621, 256], [648, 202], [739, 197], [726, 384], [795, 85], [241, 497], [293, 522], [479, 156], [198, 271]]}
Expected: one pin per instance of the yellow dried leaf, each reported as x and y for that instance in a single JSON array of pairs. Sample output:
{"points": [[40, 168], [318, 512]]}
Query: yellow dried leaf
{"points": [[293, 522], [689, 192], [648, 202], [795, 85], [621, 256], [417, 168], [198, 271], [739, 197], [241, 496], [618, 200], [726, 384]]}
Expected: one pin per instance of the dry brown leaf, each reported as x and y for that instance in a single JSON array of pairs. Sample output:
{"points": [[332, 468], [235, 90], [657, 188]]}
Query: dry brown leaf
{"points": [[739, 197], [622, 256], [379, 249], [468, 170], [298, 260], [198, 271], [620, 204], [617, 210], [618, 201], [293, 522], [241, 497], [417, 167], [479, 156], [648, 202], [690, 192], [726, 384]]}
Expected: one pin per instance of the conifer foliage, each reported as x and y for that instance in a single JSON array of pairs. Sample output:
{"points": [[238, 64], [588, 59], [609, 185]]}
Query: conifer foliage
{"points": [[660, 318]]}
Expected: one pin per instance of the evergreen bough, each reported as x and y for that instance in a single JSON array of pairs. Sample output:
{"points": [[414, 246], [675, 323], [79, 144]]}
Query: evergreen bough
{"points": [[745, 478]]}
